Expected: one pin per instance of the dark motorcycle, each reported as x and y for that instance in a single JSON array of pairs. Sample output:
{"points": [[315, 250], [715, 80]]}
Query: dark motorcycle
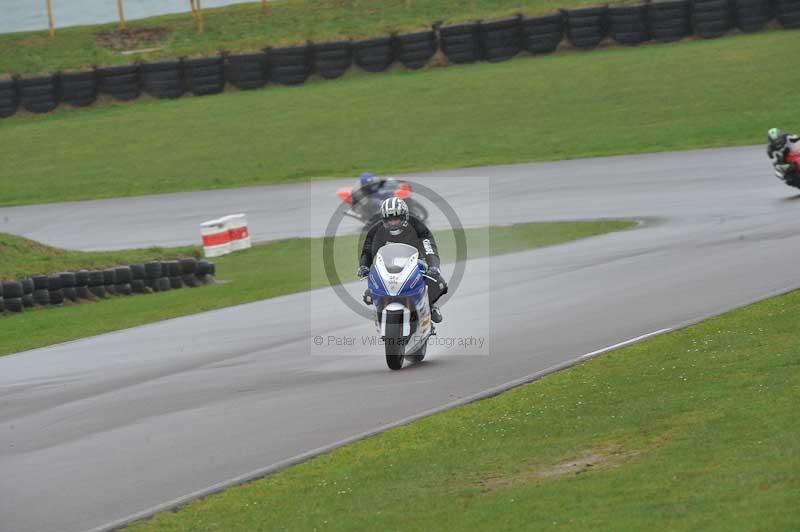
{"points": [[365, 203]]}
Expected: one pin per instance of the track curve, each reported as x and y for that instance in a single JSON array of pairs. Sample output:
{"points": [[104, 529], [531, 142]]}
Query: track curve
{"points": [[109, 426]]}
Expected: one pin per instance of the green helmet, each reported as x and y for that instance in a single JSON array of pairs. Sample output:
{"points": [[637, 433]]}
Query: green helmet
{"points": [[774, 134]]}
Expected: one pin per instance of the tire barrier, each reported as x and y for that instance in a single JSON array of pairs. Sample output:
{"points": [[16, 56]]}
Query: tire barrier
{"points": [[78, 89], [13, 304], [414, 50], [332, 59], [586, 27], [246, 71], [542, 35], [669, 21], [501, 39], [8, 98], [711, 18], [461, 43], [290, 65], [628, 24], [204, 76], [374, 55], [39, 94], [56, 289], [751, 15], [163, 79], [788, 13], [662, 21], [122, 83]]}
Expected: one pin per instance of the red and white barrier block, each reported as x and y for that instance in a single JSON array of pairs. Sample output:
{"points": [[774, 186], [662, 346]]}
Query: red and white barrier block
{"points": [[226, 234], [237, 228], [216, 238]]}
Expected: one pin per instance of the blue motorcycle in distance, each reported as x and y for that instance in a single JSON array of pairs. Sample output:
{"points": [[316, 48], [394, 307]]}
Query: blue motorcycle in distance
{"points": [[399, 293], [365, 202]]}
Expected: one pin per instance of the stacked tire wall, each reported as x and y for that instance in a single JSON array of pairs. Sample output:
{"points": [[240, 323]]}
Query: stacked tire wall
{"points": [[54, 290], [586, 27], [628, 24], [497, 40], [669, 21]]}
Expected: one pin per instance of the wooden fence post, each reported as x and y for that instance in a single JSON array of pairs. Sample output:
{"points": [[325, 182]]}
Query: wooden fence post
{"points": [[121, 11], [50, 18], [201, 25], [265, 7]]}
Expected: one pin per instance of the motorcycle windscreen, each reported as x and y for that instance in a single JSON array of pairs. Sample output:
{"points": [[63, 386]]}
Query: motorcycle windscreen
{"points": [[397, 256]]}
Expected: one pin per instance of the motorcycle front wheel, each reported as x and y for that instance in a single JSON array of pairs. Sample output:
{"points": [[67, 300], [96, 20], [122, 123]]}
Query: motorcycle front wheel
{"points": [[394, 345]]}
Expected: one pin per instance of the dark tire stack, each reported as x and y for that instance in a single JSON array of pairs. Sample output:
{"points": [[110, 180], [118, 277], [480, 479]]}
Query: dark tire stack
{"points": [[246, 71], [82, 285], [374, 55], [40, 94], [332, 59], [109, 280], [41, 290], [461, 43], [711, 18], [628, 24], [8, 98], [172, 270], [290, 65], [11, 294], [788, 13], [97, 286], [669, 21], [79, 89], [586, 27], [204, 76], [188, 270], [751, 15], [138, 278], [414, 50], [163, 79], [55, 289], [501, 39], [157, 276], [27, 293], [120, 82], [122, 280], [68, 280], [542, 35], [205, 271]]}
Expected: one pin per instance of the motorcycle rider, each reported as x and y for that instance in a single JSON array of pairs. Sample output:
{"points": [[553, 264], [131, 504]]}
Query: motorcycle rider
{"points": [[779, 145], [367, 185], [398, 226]]}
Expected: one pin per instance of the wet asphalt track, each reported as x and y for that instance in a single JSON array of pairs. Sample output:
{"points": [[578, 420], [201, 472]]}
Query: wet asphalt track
{"points": [[99, 429]]}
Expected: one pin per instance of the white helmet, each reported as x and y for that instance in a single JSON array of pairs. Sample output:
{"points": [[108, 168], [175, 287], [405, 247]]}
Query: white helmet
{"points": [[394, 213]]}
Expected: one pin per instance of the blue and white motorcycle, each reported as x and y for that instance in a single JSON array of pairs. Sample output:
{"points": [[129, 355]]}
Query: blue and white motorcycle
{"points": [[399, 293]]}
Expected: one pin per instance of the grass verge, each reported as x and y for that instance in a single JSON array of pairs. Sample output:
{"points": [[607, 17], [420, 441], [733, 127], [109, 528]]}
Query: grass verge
{"points": [[695, 430], [691, 94], [21, 257], [264, 271], [242, 27]]}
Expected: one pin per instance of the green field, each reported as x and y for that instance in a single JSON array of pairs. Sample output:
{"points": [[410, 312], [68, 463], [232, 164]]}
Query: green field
{"points": [[677, 96], [244, 28], [264, 271], [695, 430]]}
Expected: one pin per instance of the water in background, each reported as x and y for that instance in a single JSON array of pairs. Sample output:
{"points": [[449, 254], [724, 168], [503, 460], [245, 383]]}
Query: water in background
{"points": [[24, 15]]}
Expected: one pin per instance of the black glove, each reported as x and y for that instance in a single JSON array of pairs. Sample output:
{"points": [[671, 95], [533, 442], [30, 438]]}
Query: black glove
{"points": [[363, 271], [434, 271]]}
